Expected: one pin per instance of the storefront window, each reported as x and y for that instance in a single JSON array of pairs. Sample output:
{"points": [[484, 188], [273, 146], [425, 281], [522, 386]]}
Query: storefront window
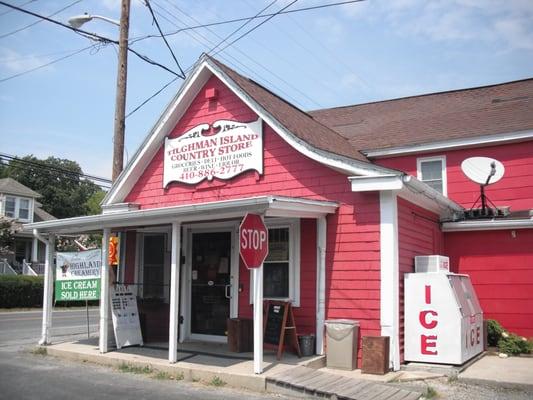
{"points": [[153, 266], [276, 266]]}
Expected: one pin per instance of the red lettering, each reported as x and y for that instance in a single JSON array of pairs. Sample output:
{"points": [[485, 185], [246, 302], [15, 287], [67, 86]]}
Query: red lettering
{"points": [[478, 335], [428, 294], [472, 338], [424, 322], [426, 342]]}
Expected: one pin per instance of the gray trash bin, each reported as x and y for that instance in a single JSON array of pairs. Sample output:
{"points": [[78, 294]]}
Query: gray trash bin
{"points": [[342, 337]]}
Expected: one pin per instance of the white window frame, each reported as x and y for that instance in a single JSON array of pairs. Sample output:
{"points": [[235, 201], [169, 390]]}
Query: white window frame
{"points": [[294, 260], [442, 159], [17, 208]]}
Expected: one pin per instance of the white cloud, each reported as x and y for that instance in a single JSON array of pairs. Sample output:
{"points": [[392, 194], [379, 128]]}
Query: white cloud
{"points": [[516, 31], [332, 29], [16, 62]]}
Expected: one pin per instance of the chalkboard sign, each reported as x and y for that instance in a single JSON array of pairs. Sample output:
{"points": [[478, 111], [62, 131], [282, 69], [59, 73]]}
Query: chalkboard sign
{"points": [[279, 321], [275, 319]]}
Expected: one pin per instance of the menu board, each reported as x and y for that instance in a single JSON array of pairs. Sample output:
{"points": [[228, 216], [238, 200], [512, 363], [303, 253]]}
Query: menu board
{"points": [[125, 316]]}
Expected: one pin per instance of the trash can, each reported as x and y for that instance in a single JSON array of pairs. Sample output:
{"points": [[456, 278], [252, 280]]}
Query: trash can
{"points": [[307, 345], [342, 337]]}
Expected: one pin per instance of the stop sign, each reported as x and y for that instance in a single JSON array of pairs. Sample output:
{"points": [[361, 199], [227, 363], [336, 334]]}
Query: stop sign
{"points": [[253, 241]]}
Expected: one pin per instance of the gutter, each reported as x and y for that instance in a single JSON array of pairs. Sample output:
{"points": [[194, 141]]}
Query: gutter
{"points": [[487, 225]]}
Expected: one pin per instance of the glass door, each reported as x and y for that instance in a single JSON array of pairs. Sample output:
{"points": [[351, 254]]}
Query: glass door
{"points": [[210, 283]]}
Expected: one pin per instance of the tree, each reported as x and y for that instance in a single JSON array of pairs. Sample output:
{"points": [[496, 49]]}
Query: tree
{"points": [[93, 202], [64, 191], [7, 236]]}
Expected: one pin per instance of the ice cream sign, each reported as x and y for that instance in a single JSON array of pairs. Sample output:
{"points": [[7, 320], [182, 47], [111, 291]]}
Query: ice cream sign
{"points": [[221, 150], [78, 275]]}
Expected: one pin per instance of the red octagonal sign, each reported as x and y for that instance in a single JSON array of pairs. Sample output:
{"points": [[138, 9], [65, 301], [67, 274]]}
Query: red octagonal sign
{"points": [[253, 241]]}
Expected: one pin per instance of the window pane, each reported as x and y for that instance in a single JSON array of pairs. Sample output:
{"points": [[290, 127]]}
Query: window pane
{"points": [[10, 207], [24, 209], [431, 170], [278, 244], [276, 279], [153, 274], [437, 185]]}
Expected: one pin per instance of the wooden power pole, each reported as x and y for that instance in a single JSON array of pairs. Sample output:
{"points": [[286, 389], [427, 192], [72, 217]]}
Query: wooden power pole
{"points": [[120, 104]]}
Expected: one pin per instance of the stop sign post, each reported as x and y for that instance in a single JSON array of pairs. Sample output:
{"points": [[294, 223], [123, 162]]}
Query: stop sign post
{"points": [[253, 248], [253, 241]]}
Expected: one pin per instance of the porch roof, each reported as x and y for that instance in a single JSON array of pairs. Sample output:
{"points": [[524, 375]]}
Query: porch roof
{"points": [[270, 206]]}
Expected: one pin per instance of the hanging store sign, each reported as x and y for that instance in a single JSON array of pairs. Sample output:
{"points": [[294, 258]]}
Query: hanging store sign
{"points": [[78, 275], [234, 148]]}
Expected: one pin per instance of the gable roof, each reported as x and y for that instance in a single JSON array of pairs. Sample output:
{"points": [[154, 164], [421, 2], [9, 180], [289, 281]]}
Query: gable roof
{"points": [[296, 127], [444, 116], [11, 186]]}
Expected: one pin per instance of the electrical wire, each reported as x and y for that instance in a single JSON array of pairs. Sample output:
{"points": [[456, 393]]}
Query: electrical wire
{"points": [[151, 97], [22, 5], [38, 21], [147, 2]]}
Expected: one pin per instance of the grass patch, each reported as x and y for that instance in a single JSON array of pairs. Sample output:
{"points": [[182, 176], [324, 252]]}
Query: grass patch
{"points": [[162, 375], [134, 369], [453, 378], [216, 381], [39, 351], [430, 393]]}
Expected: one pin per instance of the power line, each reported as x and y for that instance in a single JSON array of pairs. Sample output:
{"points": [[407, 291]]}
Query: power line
{"points": [[38, 21], [47, 64], [147, 2], [89, 35], [22, 5], [151, 97], [231, 21]]}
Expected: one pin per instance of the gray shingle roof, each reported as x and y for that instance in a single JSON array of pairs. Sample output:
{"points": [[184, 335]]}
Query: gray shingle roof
{"points": [[11, 186]]}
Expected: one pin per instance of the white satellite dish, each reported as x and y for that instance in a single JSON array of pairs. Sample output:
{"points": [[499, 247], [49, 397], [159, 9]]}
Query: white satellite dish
{"points": [[483, 170]]}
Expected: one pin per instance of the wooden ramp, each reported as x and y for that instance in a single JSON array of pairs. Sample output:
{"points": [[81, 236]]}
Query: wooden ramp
{"points": [[310, 382]]}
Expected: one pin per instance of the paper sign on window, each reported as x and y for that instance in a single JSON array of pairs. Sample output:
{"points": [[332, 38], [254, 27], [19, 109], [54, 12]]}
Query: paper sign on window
{"points": [[221, 150]]}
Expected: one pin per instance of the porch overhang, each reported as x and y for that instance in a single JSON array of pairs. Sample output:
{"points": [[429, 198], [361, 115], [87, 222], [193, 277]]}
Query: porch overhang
{"points": [[270, 206]]}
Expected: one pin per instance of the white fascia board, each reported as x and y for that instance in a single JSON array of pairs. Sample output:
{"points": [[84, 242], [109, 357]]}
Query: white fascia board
{"points": [[146, 151], [340, 163], [487, 225], [373, 183], [452, 144], [187, 213]]}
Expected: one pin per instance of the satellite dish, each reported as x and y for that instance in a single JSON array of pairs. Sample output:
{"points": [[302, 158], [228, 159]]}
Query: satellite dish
{"points": [[483, 170]]}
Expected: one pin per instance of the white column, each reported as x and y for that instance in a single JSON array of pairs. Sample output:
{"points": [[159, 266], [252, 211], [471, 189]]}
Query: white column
{"points": [[34, 250], [390, 290], [48, 290], [104, 293], [175, 264], [258, 319], [321, 225]]}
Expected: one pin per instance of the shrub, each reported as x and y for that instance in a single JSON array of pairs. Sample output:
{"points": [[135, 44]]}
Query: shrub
{"points": [[494, 332], [513, 344], [21, 291]]}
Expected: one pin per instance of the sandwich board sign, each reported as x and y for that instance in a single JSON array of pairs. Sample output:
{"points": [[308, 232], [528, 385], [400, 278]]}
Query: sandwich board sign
{"points": [[78, 275], [125, 316]]}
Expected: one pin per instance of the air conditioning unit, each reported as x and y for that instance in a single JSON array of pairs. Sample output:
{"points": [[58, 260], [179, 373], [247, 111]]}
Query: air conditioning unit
{"points": [[432, 264]]}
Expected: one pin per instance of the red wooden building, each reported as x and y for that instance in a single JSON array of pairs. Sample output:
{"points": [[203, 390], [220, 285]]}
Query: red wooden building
{"points": [[350, 195]]}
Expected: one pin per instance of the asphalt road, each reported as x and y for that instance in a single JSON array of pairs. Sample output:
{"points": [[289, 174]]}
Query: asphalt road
{"points": [[24, 375]]}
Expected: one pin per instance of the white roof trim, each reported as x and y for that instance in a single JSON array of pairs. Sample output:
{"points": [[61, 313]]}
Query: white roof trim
{"points": [[178, 106], [487, 225], [452, 144], [271, 206], [410, 189]]}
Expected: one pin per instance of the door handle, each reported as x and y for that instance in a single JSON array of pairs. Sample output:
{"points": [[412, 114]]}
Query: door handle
{"points": [[226, 293]]}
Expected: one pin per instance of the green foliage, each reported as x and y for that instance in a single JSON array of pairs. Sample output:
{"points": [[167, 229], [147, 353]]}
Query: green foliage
{"points": [[494, 332], [513, 344], [39, 351], [64, 192], [7, 237], [93, 202], [134, 369], [21, 291], [216, 381], [430, 393]]}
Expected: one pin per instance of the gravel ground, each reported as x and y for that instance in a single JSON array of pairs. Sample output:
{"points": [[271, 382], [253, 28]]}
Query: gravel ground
{"points": [[452, 389]]}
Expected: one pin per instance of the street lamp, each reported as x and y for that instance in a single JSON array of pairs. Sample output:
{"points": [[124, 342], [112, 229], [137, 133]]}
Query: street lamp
{"points": [[122, 73]]}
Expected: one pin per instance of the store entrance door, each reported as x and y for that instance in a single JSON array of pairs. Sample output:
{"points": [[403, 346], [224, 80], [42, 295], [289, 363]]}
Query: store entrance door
{"points": [[210, 284]]}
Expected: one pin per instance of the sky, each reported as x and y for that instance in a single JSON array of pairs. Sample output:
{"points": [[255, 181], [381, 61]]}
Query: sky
{"points": [[350, 54]]}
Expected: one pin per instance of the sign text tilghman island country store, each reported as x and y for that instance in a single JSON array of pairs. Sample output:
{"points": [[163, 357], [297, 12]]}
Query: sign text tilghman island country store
{"points": [[78, 275], [197, 154]]}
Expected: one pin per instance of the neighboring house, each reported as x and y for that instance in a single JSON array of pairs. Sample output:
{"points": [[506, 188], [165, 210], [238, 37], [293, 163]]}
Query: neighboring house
{"points": [[20, 205], [339, 192]]}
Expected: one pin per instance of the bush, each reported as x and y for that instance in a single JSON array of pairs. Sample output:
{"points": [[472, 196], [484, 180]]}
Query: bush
{"points": [[21, 291], [494, 332], [513, 344]]}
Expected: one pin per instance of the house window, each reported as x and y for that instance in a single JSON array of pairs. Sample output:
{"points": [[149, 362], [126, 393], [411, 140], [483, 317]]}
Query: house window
{"points": [[16, 207], [281, 269], [153, 266], [432, 171]]}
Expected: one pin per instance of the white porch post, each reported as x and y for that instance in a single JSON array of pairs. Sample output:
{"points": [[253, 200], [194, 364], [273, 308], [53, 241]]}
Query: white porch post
{"points": [[174, 292], [34, 250], [390, 318], [258, 319], [104, 293], [321, 225], [48, 290]]}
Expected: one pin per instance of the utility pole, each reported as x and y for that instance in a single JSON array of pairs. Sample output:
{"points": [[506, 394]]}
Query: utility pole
{"points": [[120, 104]]}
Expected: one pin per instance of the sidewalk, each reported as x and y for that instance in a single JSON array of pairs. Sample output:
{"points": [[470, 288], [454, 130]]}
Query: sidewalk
{"points": [[512, 372]]}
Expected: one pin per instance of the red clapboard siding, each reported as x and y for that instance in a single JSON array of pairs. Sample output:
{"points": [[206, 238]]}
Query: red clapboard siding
{"points": [[501, 269], [352, 233], [418, 234], [514, 189]]}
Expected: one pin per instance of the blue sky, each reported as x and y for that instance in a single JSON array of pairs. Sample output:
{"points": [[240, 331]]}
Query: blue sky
{"points": [[356, 53]]}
